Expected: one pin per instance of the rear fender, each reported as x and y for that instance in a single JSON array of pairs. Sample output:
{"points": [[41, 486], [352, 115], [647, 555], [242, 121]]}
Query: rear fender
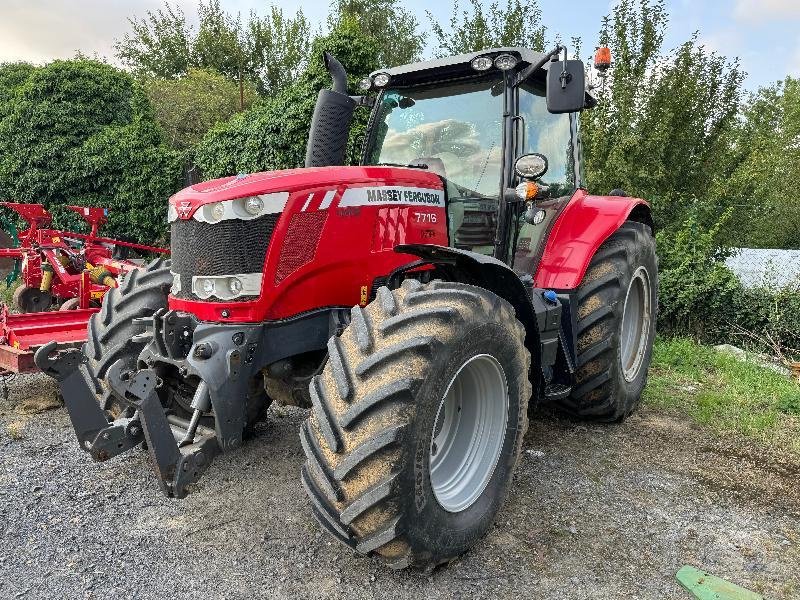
{"points": [[585, 223]]}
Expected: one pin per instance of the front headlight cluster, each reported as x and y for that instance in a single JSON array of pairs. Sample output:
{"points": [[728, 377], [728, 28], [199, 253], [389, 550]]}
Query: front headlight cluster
{"points": [[504, 62], [226, 287], [250, 207]]}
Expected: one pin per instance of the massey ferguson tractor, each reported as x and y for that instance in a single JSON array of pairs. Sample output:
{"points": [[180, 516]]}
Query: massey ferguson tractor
{"points": [[417, 303]]}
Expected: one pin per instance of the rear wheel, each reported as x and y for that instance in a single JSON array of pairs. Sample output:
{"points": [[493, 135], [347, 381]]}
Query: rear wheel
{"points": [[617, 304], [417, 422]]}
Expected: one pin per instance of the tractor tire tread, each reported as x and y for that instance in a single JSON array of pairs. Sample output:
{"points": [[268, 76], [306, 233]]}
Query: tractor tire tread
{"points": [[353, 441]]}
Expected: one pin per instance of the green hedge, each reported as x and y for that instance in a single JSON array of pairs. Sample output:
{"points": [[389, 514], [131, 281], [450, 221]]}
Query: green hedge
{"points": [[82, 132], [699, 295]]}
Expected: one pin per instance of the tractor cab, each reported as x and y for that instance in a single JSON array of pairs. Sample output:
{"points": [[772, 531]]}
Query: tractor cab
{"points": [[468, 119]]}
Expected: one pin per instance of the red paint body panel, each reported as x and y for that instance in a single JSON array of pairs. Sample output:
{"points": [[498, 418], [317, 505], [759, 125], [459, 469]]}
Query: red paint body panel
{"points": [[355, 242], [586, 222]]}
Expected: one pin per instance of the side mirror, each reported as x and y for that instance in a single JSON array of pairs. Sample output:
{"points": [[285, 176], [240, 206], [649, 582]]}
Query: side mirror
{"points": [[566, 86]]}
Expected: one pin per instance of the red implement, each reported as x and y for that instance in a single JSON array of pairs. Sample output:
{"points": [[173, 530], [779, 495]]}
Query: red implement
{"points": [[21, 334]]}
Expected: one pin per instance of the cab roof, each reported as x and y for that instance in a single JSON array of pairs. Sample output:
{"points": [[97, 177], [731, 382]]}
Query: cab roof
{"points": [[453, 66]]}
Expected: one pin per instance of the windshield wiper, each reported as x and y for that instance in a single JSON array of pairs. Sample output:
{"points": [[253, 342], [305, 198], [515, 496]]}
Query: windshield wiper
{"points": [[391, 164]]}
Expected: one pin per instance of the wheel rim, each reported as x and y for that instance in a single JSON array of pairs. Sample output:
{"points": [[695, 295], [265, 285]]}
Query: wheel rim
{"points": [[468, 433], [636, 323]]}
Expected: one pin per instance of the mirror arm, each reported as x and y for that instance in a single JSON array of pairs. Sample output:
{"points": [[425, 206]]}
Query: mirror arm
{"points": [[531, 69]]}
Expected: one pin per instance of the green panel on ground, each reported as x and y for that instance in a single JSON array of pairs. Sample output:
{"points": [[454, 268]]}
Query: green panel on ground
{"points": [[707, 587]]}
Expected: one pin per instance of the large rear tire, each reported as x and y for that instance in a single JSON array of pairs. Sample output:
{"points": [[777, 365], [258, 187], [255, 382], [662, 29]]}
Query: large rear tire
{"points": [[417, 422], [617, 302]]}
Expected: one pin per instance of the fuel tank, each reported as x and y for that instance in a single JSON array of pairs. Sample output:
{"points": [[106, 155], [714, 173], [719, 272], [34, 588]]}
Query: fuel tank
{"points": [[268, 246]]}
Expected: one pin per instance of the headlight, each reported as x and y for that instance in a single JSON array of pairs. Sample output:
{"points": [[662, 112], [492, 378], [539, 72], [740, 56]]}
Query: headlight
{"points": [[244, 208], [217, 211], [365, 84], [381, 80], [226, 287], [207, 285], [254, 205], [505, 62], [481, 63]]}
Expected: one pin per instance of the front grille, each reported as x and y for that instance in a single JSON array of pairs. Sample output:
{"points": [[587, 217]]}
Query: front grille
{"points": [[224, 248], [301, 241]]}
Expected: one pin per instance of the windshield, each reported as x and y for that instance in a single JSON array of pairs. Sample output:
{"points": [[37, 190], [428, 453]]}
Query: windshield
{"points": [[455, 129]]}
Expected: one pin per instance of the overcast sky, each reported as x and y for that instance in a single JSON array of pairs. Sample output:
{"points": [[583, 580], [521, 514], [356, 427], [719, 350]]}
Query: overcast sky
{"points": [[764, 34]]}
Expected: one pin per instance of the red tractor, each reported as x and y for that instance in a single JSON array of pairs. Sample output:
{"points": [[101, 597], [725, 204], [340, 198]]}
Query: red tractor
{"points": [[418, 303]]}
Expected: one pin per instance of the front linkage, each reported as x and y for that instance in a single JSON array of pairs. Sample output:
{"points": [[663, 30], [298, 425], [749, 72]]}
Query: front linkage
{"points": [[177, 464]]}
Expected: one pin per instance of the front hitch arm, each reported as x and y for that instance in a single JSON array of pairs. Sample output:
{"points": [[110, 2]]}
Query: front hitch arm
{"points": [[176, 467], [95, 434]]}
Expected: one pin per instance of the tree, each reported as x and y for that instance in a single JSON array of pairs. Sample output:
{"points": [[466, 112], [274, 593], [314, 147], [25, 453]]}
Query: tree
{"points": [[517, 23], [158, 45], [188, 107], [277, 47], [765, 164], [12, 76], [388, 26], [82, 132], [273, 134], [662, 124], [267, 51]]}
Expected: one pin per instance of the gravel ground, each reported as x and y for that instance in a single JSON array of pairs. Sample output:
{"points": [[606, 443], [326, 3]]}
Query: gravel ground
{"points": [[595, 512]]}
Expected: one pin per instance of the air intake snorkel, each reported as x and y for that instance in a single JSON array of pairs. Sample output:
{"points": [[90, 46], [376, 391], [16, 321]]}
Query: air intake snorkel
{"points": [[330, 125]]}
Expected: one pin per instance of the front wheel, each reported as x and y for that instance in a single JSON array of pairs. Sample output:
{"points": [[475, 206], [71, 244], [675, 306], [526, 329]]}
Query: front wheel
{"points": [[417, 422]]}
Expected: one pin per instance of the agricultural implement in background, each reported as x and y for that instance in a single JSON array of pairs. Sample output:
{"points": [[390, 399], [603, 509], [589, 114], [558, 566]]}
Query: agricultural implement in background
{"points": [[64, 269]]}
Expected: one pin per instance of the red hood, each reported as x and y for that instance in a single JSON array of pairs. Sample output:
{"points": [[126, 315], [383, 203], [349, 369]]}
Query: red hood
{"points": [[292, 180]]}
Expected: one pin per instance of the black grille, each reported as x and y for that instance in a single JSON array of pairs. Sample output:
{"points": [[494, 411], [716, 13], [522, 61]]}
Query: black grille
{"points": [[224, 248]]}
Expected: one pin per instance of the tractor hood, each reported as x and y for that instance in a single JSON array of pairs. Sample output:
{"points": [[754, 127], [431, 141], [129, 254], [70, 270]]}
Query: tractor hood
{"points": [[275, 187]]}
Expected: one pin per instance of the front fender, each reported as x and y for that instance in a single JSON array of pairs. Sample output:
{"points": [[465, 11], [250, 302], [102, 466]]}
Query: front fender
{"points": [[585, 223]]}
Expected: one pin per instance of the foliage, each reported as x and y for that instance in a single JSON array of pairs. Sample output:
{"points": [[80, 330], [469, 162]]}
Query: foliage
{"points": [[765, 150], [158, 45], [273, 134], [12, 76], [700, 296], [268, 51], [82, 132], [725, 392], [387, 26], [188, 107], [517, 23], [661, 127], [697, 292]]}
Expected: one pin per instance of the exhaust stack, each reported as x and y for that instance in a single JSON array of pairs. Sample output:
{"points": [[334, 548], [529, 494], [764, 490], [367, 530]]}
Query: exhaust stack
{"points": [[330, 126]]}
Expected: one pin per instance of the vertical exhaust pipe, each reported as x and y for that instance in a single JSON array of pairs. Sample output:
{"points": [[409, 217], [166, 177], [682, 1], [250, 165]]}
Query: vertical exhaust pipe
{"points": [[330, 125]]}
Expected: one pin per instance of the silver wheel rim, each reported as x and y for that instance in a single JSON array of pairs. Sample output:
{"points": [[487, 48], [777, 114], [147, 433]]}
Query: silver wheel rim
{"points": [[468, 433], [636, 322]]}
